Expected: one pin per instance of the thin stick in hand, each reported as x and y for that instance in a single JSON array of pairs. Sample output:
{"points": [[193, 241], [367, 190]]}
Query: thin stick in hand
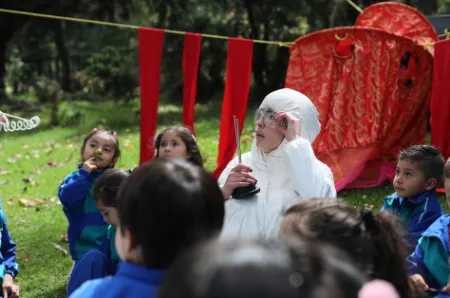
{"points": [[238, 143]]}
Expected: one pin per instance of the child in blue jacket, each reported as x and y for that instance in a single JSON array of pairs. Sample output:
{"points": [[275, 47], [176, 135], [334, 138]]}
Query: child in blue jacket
{"points": [[419, 170], [103, 262], [165, 207], [87, 228], [429, 264], [8, 266]]}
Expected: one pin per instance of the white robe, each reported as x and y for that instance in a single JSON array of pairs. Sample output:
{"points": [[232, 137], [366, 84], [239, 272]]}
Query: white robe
{"points": [[286, 175]]}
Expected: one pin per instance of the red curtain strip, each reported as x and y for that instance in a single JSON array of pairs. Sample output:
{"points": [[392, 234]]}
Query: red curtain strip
{"points": [[237, 88], [191, 59], [440, 98], [151, 43]]}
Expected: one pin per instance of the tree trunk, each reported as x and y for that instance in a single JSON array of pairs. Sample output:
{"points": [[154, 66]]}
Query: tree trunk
{"points": [[63, 54], [162, 14], [259, 54], [3, 96], [427, 7]]}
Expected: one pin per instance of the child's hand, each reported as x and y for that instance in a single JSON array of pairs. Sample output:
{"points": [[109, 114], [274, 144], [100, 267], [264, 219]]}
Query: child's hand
{"points": [[89, 165], [419, 282], [10, 290], [446, 289]]}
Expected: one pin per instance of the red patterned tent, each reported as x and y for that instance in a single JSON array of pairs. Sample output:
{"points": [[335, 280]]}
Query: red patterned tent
{"points": [[371, 85], [400, 19]]}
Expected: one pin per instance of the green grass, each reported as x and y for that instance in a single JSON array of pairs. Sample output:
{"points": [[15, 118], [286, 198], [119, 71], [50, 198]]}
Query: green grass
{"points": [[32, 165]]}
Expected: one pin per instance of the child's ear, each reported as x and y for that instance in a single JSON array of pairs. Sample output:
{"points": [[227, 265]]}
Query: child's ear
{"points": [[431, 184], [132, 241], [113, 162]]}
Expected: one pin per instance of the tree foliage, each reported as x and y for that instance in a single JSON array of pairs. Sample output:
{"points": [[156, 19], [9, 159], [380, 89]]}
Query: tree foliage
{"points": [[100, 61]]}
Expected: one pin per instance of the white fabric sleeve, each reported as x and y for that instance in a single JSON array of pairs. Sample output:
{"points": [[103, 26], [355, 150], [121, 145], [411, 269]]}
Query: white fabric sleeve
{"points": [[311, 178]]}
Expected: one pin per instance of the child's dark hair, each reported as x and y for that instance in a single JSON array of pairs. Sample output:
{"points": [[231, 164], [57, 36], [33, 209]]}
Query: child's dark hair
{"points": [[373, 240], [428, 159], [188, 139], [107, 186], [447, 169], [263, 269], [117, 151], [169, 205]]}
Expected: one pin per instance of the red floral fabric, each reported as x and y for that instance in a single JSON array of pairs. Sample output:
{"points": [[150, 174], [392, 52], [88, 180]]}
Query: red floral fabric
{"points": [[400, 19], [372, 103]]}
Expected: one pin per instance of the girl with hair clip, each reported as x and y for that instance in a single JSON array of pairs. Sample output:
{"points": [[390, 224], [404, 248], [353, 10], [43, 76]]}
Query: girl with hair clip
{"points": [[100, 151], [373, 240], [87, 228]]}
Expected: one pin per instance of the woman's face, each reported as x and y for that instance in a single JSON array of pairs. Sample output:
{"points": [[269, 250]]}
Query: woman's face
{"points": [[267, 135]]}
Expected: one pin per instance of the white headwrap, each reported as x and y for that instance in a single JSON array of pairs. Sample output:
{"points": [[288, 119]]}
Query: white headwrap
{"points": [[288, 100]]}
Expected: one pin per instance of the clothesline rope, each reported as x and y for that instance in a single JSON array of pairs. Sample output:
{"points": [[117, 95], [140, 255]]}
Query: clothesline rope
{"points": [[128, 26], [170, 31]]}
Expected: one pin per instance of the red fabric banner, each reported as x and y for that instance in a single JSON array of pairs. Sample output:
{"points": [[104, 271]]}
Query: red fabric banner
{"points": [[237, 88], [440, 98], [191, 59], [151, 42]]}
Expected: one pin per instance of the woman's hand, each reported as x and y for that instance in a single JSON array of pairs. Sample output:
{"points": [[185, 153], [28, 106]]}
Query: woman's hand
{"points": [[290, 125], [238, 177]]}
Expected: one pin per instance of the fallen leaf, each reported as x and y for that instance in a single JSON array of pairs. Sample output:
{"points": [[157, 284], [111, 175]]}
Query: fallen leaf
{"points": [[3, 182], [27, 258], [5, 172], [65, 161], [60, 248], [30, 203], [26, 146], [10, 160], [36, 155], [63, 238], [30, 181], [51, 164]]}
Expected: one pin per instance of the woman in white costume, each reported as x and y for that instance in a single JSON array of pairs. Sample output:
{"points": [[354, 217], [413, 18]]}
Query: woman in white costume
{"points": [[283, 164]]}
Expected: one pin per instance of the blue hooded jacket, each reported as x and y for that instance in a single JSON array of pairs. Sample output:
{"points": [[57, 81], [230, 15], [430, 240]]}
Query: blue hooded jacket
{"points": [[417, 213], [431, 256], [8, 263], [87, 228]]}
